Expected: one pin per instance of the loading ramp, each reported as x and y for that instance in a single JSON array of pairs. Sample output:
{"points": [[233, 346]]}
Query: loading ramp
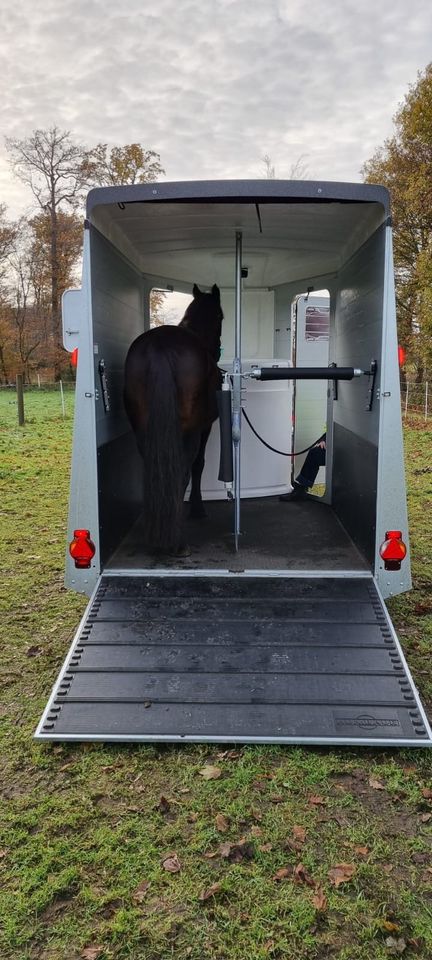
{"points": [[236, 658]]}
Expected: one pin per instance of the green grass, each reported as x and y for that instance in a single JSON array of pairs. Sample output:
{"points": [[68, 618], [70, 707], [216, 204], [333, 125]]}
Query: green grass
{"points": [[82, 826]]}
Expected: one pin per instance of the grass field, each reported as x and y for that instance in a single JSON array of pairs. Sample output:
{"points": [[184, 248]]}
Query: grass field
{"points": [[130, 852]]}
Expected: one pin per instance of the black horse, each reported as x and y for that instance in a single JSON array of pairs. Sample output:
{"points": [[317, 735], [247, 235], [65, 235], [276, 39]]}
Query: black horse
{"points": [[171, 378]]}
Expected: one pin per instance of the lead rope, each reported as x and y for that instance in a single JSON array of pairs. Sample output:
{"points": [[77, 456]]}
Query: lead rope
{"points": [[281, 453], [273, 449]]}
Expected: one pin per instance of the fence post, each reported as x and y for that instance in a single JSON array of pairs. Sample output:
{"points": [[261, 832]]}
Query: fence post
{"points": [[20, 398], [426, 399], [62, 398], [406, 397]]}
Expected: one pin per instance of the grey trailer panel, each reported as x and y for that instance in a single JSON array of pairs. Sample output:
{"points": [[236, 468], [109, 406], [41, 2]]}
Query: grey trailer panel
{"points": [[251, 659]]}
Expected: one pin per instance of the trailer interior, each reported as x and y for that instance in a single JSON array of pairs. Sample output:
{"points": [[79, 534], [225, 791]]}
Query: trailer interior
{"points": [[286, 639]]}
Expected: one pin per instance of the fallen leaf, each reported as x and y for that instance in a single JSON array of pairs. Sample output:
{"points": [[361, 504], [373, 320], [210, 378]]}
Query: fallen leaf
{"points": [[210, 891], [265, 847], [302, 875], [33, 651], [140, 892], [425, 817], [269, 946], [184, 790], [212, 854], [256, 831], [225, 850], [426, 793], [283, 873], [319, 900], [243, 850], [316, 801], [229, 755], [376, 784], [390, 926], [172, 863], [276, 798], [3, 853], [362, 851], [222, 824], [210, 773], [192, 817], [341, 873], [92, 953], [395, 946], [300, 834], [164, 805]]}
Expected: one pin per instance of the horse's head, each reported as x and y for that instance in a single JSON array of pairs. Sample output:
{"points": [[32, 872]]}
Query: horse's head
{"points": [[204, 317]]}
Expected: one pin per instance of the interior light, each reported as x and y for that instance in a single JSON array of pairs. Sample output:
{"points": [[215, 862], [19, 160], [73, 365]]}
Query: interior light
{"points": [[393, 550], [82, 549]]}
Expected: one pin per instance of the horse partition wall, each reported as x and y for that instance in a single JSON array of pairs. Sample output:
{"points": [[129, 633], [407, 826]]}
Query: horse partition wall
{"points": [[294, 624]]}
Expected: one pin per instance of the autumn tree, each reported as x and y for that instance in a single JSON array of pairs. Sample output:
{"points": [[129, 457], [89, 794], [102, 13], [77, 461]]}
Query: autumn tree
{"points": [[404, 165], [8, 235], [57, 171], [123, 165]]}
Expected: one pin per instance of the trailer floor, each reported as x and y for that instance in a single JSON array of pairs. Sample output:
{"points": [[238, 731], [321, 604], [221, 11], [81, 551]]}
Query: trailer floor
{"points": [[238, 659], [303, 535]]}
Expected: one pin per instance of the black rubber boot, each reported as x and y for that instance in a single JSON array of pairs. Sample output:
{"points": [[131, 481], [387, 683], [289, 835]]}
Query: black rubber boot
{"points": [[297, 493]]}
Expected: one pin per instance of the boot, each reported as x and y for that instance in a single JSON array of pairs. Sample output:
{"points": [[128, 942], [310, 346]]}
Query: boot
{"points": [[297, 493]]}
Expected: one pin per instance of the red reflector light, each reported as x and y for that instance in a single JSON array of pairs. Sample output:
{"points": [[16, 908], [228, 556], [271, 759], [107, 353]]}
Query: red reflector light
{"points": [[74, 357], [82, 549], [401, 355], [393, 550]]}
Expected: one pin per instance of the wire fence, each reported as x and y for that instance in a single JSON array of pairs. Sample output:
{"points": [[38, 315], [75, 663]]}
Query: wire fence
{"points": [[416, 399]]}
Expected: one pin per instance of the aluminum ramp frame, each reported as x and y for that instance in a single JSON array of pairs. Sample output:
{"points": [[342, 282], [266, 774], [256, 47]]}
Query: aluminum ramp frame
{"points": [[236, 658]]}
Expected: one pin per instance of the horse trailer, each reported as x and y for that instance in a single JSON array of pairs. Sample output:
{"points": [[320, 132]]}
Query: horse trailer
{"points": [[274, 629]]}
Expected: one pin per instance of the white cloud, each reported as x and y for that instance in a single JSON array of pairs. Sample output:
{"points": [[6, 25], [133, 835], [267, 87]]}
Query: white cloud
{"points": [[214, 84]]}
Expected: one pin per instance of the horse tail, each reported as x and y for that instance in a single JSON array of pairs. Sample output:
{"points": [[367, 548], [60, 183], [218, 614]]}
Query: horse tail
{"points": [[159, 440]]}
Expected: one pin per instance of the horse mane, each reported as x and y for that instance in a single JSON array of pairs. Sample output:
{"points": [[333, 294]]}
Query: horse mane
{"points": [[204, 317]]}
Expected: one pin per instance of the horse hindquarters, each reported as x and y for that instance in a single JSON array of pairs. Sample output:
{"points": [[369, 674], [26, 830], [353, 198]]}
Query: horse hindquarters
{"points": [[152, 405]]}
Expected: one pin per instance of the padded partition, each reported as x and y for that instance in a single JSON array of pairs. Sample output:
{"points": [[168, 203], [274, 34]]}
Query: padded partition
{"points": [[355, 487], [356, 340], [118, 318]]}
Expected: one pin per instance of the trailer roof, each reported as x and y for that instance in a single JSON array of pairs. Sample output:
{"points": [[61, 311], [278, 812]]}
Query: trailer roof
{"points": [[186, 231]]}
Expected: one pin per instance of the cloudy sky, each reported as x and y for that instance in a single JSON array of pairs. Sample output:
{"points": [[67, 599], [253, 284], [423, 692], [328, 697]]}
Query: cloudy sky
{"points": [[212, 85]]}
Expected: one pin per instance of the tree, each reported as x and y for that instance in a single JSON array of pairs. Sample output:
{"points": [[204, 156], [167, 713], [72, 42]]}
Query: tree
{"points": [[57, 171], [404, 165], [123, 165], [8, 235]]}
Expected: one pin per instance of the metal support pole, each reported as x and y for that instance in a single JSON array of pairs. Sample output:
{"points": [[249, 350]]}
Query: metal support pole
{"points": [[20, 398], [237, 387]]}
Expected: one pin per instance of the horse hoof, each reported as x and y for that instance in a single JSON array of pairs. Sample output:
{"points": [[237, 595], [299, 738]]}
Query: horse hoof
{"points": [[198, 513], [184, 550]]}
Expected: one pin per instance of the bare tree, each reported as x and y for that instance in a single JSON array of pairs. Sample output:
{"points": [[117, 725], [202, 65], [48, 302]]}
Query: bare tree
{"points": [[269, 170], [298, 170], [57, 170]]}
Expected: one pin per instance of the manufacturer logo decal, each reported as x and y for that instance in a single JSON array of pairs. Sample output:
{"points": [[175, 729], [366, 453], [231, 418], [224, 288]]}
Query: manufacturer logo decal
{"points": [[365, 722]]}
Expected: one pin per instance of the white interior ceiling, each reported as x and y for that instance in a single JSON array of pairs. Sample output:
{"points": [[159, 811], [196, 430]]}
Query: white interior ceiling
{"points": [[195, 242]]}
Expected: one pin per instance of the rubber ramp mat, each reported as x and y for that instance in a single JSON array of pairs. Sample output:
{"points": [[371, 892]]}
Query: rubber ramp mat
{"points": [[236, 659]]}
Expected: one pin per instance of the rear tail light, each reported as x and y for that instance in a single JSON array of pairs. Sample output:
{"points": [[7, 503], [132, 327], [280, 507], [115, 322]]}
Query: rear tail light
{"points": [[82, 549], [74, 357], [393, 550]]}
